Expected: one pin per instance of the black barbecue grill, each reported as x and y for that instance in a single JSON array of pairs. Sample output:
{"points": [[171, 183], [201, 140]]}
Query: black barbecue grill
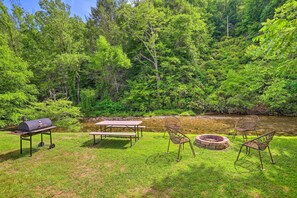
{"points": [[27, 129]]}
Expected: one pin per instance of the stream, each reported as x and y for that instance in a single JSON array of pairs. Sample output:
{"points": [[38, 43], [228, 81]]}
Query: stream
{"points": [[222, 124]]}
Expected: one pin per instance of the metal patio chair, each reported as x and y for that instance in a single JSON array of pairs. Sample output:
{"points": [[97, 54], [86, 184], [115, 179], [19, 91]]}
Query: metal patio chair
{"points": [[177, 137], [245, 125], [172, 122], [260, 144]]}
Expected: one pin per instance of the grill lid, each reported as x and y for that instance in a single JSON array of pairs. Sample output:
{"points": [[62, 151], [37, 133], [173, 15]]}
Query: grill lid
{"points": [[34, 124]]}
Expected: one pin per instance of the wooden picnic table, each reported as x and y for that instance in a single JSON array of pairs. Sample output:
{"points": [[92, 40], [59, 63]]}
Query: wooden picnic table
{"points": [[110, 124]]}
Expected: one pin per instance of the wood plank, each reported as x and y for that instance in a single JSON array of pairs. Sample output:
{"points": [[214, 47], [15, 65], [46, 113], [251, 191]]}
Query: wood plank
{"points": [[113, 134], [122, 123]]}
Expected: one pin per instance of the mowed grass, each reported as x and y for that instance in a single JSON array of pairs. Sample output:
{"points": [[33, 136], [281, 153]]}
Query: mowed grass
{"points": [[76, 168]]}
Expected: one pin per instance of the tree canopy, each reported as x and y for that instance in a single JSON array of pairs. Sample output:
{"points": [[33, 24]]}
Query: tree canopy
{"points": [[236, 56]]}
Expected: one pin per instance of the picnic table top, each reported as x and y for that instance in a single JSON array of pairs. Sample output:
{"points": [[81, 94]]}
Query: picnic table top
{"points": [[123, 123]]}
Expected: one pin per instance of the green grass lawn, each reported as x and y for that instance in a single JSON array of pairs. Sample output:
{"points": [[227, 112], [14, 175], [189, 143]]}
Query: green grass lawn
{"points": [[75, 168]]}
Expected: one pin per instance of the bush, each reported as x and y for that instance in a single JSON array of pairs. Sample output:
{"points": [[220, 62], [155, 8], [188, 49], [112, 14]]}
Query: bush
{"points": [[163, 112], [88, 101], [61, 112], [108, 108], [187, 113]]}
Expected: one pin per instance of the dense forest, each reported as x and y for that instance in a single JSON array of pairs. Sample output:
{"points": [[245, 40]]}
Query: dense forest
{"points": [[148, 57]]}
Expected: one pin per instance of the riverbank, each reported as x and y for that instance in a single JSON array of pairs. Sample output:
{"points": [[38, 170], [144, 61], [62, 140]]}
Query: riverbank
{"points": [[222, 124]]}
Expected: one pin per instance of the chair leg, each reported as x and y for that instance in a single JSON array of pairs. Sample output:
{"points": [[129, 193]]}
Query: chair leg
{"points": [[168, 146], [260, 159], [178, 158], [244, 136], [234, 134], [192, 149], [238, 154], [273, 162]]}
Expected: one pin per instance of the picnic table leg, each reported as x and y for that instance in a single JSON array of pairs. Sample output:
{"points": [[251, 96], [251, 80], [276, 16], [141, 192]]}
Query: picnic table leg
{"points": [[130, 141], [94, 140]]}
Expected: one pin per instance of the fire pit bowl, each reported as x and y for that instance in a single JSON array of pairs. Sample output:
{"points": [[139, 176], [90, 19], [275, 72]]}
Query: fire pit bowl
{"points": [[214, 142]]}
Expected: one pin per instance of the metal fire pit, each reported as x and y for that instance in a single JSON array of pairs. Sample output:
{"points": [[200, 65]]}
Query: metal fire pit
{"points": [[214, 142], [27, 129]]}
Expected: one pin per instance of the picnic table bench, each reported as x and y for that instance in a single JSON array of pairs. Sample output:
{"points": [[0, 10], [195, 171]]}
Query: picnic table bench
{"points": [[114, 134], [105, 125], [125, 126]]}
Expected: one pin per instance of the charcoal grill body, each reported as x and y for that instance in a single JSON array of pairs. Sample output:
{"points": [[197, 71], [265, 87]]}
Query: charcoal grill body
{"points": [[27, 129]]}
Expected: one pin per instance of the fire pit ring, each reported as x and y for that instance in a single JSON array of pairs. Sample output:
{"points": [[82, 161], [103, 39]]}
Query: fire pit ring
{"points": [[215, 142]]}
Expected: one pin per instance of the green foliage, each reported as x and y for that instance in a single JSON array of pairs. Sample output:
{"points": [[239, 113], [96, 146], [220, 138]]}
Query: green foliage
{"points": [[279, 97], [61, 112], [108, 107], [88, 100], [109, 62], [187, 113], [15, 88], [279, 38], [136, 58], [240, 91]]}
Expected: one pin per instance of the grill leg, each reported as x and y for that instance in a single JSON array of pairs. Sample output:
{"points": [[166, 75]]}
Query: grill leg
{"points": [[30, 145], [51, 140], [41, 137], [21, 144]]}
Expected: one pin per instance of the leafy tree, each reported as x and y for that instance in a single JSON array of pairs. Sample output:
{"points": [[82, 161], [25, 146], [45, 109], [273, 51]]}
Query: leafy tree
{"points": [[15, 88], [254, 13], [109, 62], [277, 45], [8, 27], [53, 44], [143, 24], [102, 21]]}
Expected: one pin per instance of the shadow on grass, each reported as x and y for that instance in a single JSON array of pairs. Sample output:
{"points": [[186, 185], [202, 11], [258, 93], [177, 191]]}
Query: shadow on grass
{"points": [[108, 143], [202, 181], [244, 165], [14, 155], [161, 159], [245, 180]]}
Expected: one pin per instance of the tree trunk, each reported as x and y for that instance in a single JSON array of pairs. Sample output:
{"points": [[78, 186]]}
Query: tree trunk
{"points": [[77, 88]]}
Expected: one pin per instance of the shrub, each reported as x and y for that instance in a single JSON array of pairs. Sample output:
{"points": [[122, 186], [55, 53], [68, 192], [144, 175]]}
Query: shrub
{"points": [[187, 113], [88, 101], [108, 108], [61, 112]]}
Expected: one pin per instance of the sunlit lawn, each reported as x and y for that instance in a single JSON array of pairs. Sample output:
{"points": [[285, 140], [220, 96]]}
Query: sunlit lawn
{"points": [[75, 168]]}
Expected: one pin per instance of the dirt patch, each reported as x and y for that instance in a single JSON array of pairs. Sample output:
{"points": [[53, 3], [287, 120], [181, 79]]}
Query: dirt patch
{"points": [[50, 191]]}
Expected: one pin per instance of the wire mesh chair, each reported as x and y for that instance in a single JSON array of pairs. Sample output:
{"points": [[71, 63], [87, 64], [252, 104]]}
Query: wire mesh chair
{"points": [[246, 124], [177, 137], [260, 144], [172, 122]]}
